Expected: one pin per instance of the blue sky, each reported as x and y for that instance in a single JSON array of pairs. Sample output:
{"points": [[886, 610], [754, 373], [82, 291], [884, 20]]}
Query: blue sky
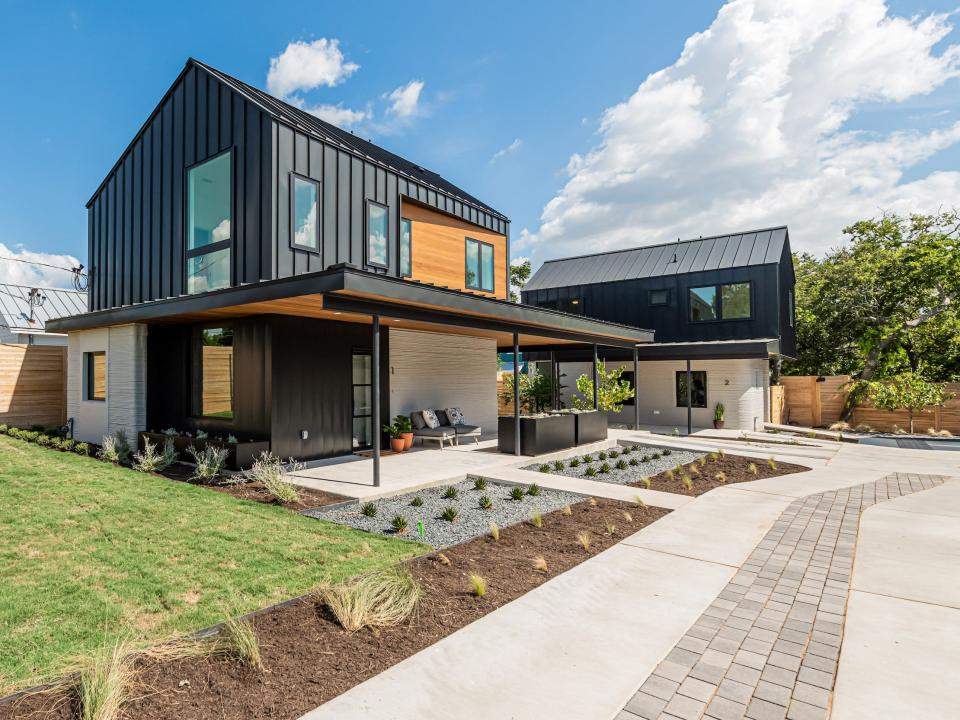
{"points": [[79, 79]]}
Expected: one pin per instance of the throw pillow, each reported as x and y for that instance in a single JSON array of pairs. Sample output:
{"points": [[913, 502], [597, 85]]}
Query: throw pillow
{"points": [[441, 417], [417, 419], [455, 416], [430, 418]]}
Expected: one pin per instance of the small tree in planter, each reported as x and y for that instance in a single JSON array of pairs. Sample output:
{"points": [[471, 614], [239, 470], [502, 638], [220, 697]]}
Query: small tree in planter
{"points": [[396, 437], [613, 390], [906, 391], [718, 415]]}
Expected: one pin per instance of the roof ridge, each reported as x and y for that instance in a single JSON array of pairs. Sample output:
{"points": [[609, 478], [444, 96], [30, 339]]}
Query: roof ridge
{"points": [[665, 244]]}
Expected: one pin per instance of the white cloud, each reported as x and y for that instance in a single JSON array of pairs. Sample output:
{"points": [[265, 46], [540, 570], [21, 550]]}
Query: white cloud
{"points": [[22, 273], [305, 66], [336, 114], [405, 100], [512, 147], [748, 128]]}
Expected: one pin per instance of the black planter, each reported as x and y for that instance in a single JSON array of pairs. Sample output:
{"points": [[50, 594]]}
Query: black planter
{"points": [[537, 435], [241, 455], [591, 426]]}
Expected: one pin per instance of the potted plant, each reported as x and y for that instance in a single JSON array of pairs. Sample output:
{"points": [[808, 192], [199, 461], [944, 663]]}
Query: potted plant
{"points": [[406, 430], [718, 416], [396, 437]]}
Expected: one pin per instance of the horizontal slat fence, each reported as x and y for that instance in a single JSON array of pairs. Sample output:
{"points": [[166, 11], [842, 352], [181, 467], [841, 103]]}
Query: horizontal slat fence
{"points": [[33, 385]]}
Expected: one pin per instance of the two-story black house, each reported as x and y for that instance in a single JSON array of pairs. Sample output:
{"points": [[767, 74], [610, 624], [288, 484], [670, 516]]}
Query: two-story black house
{"points": [[260, 273], [724, 303]]}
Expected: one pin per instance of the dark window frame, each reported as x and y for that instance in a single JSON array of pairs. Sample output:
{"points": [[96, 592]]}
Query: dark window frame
{"points": [[88, 376], [374, 432], [718, 289], [400, 248], [629, 376], [220, 244], [195, 402], [366, 235], [294, 176], [682, 402], [479, 286], [666, 297]]}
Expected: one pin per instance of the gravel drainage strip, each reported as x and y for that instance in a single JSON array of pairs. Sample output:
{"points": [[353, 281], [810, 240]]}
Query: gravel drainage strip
{"points": [[651, 460]]}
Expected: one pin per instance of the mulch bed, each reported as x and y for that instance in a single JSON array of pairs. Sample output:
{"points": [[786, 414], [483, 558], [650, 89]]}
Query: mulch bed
{"points": [[735, 467], [255, 491], [309, 659]]}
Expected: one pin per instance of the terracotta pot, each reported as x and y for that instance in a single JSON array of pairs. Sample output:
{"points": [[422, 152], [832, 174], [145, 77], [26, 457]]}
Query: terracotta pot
{"points": [[397, 444], [718, 424], [407, 440]]}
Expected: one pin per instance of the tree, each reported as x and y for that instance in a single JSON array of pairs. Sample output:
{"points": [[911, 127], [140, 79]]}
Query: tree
{"points": [[613, 390], [906, 391], [884, 304], [519, 274], [536, 391]]}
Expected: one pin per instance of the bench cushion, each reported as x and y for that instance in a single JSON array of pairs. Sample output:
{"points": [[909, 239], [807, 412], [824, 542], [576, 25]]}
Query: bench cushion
{"points": [[466, 429], [435, 432]]}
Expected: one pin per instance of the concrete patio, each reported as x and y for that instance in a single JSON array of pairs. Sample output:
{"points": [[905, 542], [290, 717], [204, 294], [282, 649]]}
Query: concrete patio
{"points": [[672, 601]]}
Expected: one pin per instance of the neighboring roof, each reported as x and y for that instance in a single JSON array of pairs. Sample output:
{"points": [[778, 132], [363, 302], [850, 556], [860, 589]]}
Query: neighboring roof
{"points": [[711, 349], [58, 303], [755, 247], [312, 125]]}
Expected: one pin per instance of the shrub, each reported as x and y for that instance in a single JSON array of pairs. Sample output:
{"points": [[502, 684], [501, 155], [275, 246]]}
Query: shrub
{"points": [[634, 462], [601, 455], [30, 435], [544, 468], [584, 538], [712, 457], [621, 464], [575, 462], [533, 490], [771, 463], [270, 471], [399, 525], [116, 448], [539, 564], [667, 452], [494, 532], [591, 471], [378, 599], [3, 429], [537, 520], [587, 459], [558, 465], [237, 639], [82, 448], [478, 585], [68, 445], [450, 514], [147, 460], [485, 502], [450, 493], [687, 482], [417, 501], [720, 477], [670, 475], [517, 493], [44, 440], [209, 462], [604, 468], [368, 509], [479, 484]]}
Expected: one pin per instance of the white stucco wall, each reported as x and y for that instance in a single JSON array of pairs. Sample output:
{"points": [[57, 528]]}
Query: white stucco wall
{"points": [[437, 370], [741, 385], [126, 404]]}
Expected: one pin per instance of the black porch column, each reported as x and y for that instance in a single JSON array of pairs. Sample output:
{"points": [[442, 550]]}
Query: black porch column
{"points": [[596, 390], [554, 381], [375, 381], [516, 394], [689, 399], [636, 391]]}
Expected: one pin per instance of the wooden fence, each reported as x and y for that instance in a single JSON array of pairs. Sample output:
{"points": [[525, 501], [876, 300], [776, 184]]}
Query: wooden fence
{"points": [[33, 385], [804, 401], [217, 380]]}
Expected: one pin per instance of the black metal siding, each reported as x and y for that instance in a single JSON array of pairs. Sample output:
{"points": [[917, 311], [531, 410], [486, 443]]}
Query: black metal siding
{"points": [[626, 301], [137, 216], [788, 331]]}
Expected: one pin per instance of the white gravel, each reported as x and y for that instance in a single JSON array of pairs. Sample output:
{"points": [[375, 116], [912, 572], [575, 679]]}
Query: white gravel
{"points": [[441, 533], [632, 473]]}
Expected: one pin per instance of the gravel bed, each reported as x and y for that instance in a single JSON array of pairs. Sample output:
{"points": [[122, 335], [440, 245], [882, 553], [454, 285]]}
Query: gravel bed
{"points": [[441, 533], [632, 473]]}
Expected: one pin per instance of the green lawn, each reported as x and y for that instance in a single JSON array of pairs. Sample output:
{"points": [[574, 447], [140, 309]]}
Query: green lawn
{"points": [[90, 552]]}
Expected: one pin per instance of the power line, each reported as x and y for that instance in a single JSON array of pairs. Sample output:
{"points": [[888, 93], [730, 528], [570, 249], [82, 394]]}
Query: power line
{"points": [[79, 277]]}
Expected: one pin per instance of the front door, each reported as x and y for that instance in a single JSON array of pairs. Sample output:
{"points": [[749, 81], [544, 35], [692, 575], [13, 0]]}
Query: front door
{"points": [[362, 399]]}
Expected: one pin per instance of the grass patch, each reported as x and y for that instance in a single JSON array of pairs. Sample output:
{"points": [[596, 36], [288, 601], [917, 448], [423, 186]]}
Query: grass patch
{"points": [[92, 554], [377, 599]]}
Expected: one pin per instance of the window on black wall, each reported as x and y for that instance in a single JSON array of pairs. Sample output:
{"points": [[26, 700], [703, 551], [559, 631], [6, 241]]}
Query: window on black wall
{"points": [[213, 372], [698, 395], [209, 234], [727, 301], [656, 298]]}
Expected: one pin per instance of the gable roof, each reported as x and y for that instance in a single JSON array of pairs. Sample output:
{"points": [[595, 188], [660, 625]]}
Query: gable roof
{"points": [[15, 308], [312, 125], [755, 247]]}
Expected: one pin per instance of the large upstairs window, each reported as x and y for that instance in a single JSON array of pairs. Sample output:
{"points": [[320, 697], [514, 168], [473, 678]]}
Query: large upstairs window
{"points": [[209, 229], [729, 301], [377, 254], [479, 270], [306, 213]]}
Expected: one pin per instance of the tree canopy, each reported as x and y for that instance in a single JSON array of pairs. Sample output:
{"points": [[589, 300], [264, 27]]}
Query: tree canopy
{"points": [[883, 304]]}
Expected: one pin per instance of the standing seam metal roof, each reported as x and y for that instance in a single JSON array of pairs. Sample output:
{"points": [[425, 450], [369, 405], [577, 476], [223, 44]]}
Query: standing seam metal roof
{"points": [[755, 247], [15, 309]]}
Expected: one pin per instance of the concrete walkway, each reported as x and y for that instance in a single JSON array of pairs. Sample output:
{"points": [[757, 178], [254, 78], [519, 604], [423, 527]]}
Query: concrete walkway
{"points": [[581, 645]]}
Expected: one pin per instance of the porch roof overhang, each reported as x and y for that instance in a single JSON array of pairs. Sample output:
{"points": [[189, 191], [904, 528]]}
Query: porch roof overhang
{"points": [[349, 294], [712, 350]]}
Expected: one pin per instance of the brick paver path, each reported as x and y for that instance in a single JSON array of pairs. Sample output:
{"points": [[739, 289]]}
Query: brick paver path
{"points": [[768, 646]]}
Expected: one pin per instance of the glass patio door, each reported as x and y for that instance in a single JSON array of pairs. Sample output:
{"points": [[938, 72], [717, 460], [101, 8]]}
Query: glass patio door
{"points": [[362, 399]]}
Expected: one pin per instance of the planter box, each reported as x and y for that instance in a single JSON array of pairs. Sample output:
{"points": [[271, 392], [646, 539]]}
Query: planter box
{"points": [[241, 455], [590, 427], [537, 435]]}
